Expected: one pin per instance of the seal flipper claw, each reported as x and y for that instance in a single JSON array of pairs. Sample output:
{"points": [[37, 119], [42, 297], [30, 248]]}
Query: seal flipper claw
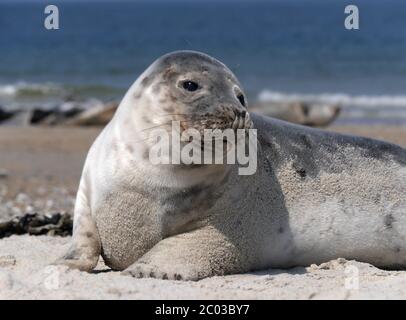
{"points": [[164, 272], [188, 257]]}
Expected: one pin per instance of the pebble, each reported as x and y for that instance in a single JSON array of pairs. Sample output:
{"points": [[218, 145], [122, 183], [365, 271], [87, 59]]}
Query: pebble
{"points": [[37, 224], [7, 261], [3, 174]]}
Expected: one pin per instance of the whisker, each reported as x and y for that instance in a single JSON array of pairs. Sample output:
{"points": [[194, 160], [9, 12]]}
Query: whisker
{"points": [[173, 114], [153, 127], [181, 114], [163, 124], [142, 140], [202, 120]]}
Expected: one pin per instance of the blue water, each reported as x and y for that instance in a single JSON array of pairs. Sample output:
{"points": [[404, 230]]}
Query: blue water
{"points": [[280, 46]]}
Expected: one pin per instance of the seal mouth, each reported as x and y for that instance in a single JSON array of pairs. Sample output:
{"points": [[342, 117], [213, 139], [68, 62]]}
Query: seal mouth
{"points": [[238, 120], [234, 121]]}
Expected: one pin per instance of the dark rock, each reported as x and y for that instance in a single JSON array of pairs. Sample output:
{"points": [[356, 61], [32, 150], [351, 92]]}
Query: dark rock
{"points": [[91, 112], [3, 174], [39, 115], [20, 118], [97, 116], [5, 115], [36, 224], [56, 117]]}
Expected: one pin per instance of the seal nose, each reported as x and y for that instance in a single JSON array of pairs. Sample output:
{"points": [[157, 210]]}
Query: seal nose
{"points": [[240, 113]]}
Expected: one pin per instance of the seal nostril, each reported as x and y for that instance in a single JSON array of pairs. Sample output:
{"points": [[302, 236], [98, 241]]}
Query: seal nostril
{"points": [[240, 113], [241, 98]]}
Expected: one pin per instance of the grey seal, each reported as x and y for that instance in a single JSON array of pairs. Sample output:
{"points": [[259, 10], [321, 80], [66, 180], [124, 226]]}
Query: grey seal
{"points": [[315, 196], [309, 114]]}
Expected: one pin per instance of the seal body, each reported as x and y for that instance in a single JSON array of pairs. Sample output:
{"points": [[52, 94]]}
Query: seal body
{"points": [[315, 195], [313, 115]]}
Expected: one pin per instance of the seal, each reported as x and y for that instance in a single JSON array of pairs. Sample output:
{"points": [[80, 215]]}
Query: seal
{"points": [[313, 115], [315, 195]]}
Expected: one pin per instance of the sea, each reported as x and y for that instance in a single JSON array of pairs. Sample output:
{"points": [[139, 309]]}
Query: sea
{"points": [[281, 50]]}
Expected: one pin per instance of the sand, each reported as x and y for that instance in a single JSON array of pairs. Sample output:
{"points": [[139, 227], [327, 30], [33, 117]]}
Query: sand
{"points": [[25, 274], [40, 170]]}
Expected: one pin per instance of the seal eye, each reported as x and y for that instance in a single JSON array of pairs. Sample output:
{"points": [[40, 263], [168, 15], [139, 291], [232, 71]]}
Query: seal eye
{"points": [[241, 98], [190, 85]]}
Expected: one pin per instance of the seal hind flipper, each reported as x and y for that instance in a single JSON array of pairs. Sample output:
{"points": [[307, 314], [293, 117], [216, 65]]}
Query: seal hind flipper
{"points": [[190, 257]]}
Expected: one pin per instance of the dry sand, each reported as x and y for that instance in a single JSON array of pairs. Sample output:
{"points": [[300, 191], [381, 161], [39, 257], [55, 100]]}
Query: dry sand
{"points": [[39, 171], [25, 274]]}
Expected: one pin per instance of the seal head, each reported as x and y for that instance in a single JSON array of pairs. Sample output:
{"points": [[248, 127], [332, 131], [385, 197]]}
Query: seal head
{"points": [[190, 87]]}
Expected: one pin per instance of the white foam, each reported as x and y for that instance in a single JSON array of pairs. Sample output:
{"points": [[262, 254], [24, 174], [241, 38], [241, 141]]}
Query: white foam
{"points": [[336, 98], [13, 90], [8, 90]]}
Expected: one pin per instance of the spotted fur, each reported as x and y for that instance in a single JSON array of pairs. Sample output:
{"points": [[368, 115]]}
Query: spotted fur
{"points": [[315, 196]]}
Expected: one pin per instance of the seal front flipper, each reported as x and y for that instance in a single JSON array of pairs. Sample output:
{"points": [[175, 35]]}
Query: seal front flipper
{"points": [[86, 246], [189, 256]]}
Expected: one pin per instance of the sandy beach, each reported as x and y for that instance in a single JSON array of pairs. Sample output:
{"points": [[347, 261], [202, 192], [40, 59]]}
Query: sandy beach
{"points": [[64, 69], [25, 274], [39, 172]]}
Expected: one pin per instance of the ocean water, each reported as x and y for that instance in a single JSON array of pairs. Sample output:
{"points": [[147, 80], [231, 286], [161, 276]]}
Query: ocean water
{"points": [[279, 49]]}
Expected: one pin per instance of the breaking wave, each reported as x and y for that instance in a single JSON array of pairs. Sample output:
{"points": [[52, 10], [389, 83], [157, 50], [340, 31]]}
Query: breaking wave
{"points": [[345, 100], [43, 90], [22, 89]]}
